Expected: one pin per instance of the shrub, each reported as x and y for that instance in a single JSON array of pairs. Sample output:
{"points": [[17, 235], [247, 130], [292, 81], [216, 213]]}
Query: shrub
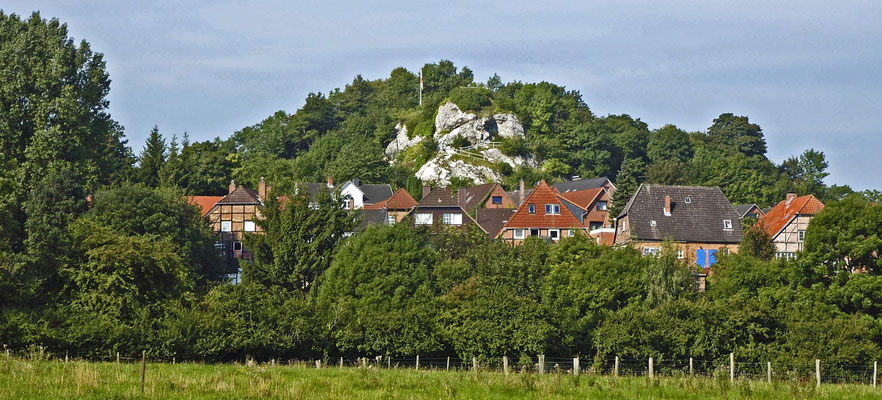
{"points": [[514, 146], [470, 98]]}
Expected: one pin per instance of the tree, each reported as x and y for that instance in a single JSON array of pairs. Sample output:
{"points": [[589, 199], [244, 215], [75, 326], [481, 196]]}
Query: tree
{"points": [[627, 183], [152, 159], [807, 172], [298, 239], [845, 236], [758, 243], [666, 278], [736, 133]]}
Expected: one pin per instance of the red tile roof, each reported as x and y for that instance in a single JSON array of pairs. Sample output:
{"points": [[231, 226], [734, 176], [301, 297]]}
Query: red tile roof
{"points": [[540, 196], [782, 213], [583, 198], [205, 203], [401, 200]]}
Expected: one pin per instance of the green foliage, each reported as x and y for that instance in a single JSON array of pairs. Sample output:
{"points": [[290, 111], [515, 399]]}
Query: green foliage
{"points": [[459, 142], [513, 146], [846, 236], [736, 133], [473, 98], [152, 159], [757, 243]]}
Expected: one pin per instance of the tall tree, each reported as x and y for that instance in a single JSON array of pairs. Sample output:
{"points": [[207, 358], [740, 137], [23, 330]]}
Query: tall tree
{"points": [[152, 159], [738, 134], [627, 182]]}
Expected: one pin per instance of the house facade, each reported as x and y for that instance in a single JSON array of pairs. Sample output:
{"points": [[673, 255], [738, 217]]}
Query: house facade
{"points": [[751, 211], [545, 214], [395, 208], [699, 220], [787, 222], [440, 207]]}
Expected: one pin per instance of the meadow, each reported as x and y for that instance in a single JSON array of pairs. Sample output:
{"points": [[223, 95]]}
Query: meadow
{"points": [[42, 379]]}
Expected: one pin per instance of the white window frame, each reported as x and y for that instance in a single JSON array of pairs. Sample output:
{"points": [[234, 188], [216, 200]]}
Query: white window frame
{"points": [[422, 219], [451, 219], [651, 251], [800, 236], [226, 226], [531, 208], [249, 226], [554, 234], [727, 224], [538, 232], [518, 233], [602, 206], [552, 209], [681, 254], [390, 219], [571, 232]]}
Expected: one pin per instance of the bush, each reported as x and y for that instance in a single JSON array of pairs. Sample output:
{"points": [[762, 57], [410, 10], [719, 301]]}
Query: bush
{"points": [[470, 98], [514, 146], [459, 142]]}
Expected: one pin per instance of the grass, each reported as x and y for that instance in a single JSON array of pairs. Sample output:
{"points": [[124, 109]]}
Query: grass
{"points": [[24, 379]]}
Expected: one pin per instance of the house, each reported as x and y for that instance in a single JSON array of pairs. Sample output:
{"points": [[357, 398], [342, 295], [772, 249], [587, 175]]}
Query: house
{"points": [[543, 213], [492, 220], [488, 195], [699, 220], [577, 184], [787, 222], [748, 211], [353, 195], [395, 208], [441, 207], [517, 196]]}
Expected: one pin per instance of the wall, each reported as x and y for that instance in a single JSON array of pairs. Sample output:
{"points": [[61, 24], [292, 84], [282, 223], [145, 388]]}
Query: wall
{"points": [[787, 240], [508, 234], [506, 201]]}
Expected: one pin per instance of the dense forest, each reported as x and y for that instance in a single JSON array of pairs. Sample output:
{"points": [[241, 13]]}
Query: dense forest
{"points": [[100, 252]]}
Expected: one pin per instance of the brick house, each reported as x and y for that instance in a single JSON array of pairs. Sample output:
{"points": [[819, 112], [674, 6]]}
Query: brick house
{"points": [[787, 222], [751, 211], [395, 208], [700, 221], [543, 213], [441, 207]]}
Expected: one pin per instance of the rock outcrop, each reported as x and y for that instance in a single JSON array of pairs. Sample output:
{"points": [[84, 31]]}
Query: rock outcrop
{"points": [[401, 142]]}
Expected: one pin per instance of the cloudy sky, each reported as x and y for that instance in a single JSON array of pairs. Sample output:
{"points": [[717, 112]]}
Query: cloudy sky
{"points": [[809, 72]]}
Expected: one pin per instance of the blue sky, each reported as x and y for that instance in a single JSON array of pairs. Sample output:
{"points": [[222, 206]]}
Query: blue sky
{"points": [[809, 72]]}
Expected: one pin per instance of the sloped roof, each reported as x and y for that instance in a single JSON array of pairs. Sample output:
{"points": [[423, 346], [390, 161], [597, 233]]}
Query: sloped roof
{"points": [[242, 195], [371, 217], [743, 209], [583, 198], [580, 184], [439, 197], [205, 203], [493, 219], [475, 194], [540, 196], [516, 196], [782, 213], [374, 192], [700, 220], [401, 200]]}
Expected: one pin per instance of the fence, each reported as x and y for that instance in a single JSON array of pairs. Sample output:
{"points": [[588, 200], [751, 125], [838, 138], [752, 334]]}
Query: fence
{"points": [[731, 369]]}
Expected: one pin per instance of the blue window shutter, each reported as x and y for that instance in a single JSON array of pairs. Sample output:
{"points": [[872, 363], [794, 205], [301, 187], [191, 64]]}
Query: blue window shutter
{"points": [[711, 257], [699, 257]]}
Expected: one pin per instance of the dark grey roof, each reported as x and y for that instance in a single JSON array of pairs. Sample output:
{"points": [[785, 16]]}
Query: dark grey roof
{"points": [[577, 211], [700, 220], [313, 189], [493, 219], [374, 192], [372, 217], [439, 197], [242, 195], [580, 184], [742, 209], [516, 197]]}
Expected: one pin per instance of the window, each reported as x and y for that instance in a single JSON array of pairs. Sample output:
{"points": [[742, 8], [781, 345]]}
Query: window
{"points": [[650, 251], [727, 224], [601, 206], [800, 235], [496, 199], [624, 225], [226, 226], [532, 208], [390, 220], [552, 209], [249, 226], [595, 225], [554, 234], [652, 223], [518, 233], [237, 246], [451, 219], [681, 254], [687, 200], [423, 219], [785, 255], [534, 232], [571, 232], [347, 201]]}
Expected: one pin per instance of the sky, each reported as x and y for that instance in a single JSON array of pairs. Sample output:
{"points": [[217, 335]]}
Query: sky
{"points": [[808, 72]]}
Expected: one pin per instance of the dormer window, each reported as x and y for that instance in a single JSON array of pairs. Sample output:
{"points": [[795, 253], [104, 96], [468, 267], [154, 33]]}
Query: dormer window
{"points": [[687, 200], [552, 209], [727, 224], [652, 223]]}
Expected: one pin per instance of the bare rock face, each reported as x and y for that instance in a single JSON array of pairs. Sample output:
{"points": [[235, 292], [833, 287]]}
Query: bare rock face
{"points": [[401, 142], [495, 155], [441, 169], [508, 125], [450, 117]]}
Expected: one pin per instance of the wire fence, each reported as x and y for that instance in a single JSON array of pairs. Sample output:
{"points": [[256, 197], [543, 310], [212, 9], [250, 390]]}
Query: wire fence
{"points": [[817, 372]]}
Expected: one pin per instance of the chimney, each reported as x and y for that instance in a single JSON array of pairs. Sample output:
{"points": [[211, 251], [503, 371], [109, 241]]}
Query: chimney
{"points": [[460, 197], [330, 182], [356, 182], [232, 186], [426, 190], [791, 196], [521, 191], [667, 205], [261, 188]]}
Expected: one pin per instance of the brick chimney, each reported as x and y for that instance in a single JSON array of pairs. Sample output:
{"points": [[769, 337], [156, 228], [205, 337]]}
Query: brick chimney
{"points": [[426, 190], [261, 188], [521, 191], [330, 182], [667, 205], [232, 186]]}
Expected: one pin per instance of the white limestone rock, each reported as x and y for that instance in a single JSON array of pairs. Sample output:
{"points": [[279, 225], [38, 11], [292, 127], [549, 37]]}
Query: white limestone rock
{"points": [[508, 125], [442, 169], [450, 117], [401, 142], [495, 155]]}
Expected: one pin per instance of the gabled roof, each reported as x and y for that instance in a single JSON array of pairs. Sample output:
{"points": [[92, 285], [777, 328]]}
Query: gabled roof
{"points": [[475, 195], [373, 192], [205, 203], [700, 220], [439, 197], [782, 213], [371, 217], [401, 200], [583, 198], [580, 184], [516, 196], [540, 196], [242, 195], [493, 219], [743, 209]]}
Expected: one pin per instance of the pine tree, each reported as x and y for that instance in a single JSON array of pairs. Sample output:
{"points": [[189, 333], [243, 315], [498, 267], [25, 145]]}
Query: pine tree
{"points": [[627, 182], [171, 172], [152, 159]]}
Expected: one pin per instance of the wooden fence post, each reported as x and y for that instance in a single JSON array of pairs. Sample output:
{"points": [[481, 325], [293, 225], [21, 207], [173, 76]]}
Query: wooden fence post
{"points": [[691, 371], [651, 371], [389, 362], [769, 371], [174, 361], [475, 364], [143, 368], [818, 372], [616, 370], [448, 363], [341, 362], [732, 367], [65, 356], [318, 364], [542, 363], [874, 373], [575, 365], [505, 364], [117, 356], [418, 363]]}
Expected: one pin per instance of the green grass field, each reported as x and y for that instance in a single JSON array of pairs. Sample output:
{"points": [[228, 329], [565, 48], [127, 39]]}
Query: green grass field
{"points": [[23, 379]]}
